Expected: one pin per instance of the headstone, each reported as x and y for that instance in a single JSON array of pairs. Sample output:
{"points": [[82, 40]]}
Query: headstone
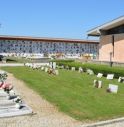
{"points": [[90, 72], [46, 69], [54, 65], [42, 68], [99, 75], [97, 84], [110, 76], [113, 88], [80, 70], [51, 65], [73, 68], [121, 79]]}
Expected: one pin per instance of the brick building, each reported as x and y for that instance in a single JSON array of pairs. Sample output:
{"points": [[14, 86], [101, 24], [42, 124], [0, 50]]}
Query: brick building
{"points": [[111, 35]]}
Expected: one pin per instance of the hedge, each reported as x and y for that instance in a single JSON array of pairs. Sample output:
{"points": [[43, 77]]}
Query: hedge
{"points": [[105, 69], [63, 61]]}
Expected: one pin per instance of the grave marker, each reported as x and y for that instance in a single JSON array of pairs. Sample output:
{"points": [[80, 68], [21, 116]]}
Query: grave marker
{"points": [[99, 75], [110, 76], [113, 88]]}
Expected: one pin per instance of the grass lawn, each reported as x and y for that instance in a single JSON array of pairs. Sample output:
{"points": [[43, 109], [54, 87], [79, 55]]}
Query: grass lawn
{"points": [[74, 94], [16, 60]]}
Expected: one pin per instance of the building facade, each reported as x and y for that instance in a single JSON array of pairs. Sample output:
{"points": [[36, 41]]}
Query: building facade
{"points": [[111, 45], [31, 45]]}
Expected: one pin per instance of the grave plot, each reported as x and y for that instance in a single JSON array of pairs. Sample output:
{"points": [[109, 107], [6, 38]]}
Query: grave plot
{"points": [[11, 104]]}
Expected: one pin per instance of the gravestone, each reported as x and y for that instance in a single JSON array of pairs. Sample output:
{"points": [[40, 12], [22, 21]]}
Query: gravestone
{"points": [[73, 68], [99, 75], [46, 69], [42, 68], [121, 79], [90, 72], [97, 84], [113, 88], [80, 70], [54, 65], [51, 64], [110, 76]]}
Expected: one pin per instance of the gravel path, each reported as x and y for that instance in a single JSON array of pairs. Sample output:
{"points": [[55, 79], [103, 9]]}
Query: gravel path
{"points": [[45, 114]]}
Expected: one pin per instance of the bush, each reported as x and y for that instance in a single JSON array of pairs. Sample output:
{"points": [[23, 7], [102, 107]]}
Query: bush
{"points": [[63, 61], [105, 69]]}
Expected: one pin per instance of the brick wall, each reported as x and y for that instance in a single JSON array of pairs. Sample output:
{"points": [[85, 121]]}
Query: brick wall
{"points": [[106, 47]]}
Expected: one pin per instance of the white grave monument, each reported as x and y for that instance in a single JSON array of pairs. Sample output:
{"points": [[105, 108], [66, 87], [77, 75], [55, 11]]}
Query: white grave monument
{"points": [[46, 69], [121, 79], [51, 64], [97, 84], [54, 65], [110, 76], [90, 72], [42, 68], [99, 75], [80, 70], [73, 68], [113, 88]]}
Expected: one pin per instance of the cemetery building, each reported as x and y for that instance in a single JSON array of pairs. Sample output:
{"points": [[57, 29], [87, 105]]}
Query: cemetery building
{"points": [[111, 47], [15, 45]]}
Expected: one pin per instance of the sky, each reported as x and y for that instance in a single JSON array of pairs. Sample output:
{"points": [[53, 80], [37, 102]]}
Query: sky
{"points": [[56, 18]]}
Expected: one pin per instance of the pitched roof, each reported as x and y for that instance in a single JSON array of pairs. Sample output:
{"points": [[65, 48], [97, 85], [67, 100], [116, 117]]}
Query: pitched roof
{"points": [[46, 39], [109, 25]]}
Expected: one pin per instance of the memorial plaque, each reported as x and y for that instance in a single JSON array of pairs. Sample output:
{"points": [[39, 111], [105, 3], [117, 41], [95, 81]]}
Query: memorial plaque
{"points": [[113, 88], [110, 76]]}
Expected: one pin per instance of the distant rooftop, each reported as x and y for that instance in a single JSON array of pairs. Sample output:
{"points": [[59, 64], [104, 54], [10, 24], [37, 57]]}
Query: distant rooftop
{"points": [[7, 37], [109, 25]]}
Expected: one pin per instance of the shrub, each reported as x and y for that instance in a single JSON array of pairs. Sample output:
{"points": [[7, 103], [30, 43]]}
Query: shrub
{"points": [[64, 61], [105, 69]]}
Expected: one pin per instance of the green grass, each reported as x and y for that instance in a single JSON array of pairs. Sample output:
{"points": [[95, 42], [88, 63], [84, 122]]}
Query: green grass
{"points": [[17, 60], [74, 94]]}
